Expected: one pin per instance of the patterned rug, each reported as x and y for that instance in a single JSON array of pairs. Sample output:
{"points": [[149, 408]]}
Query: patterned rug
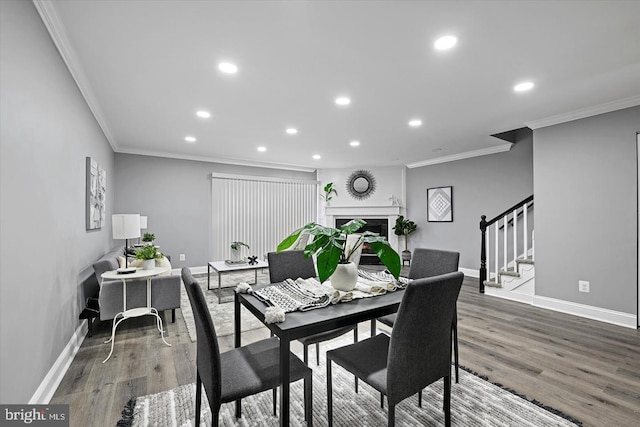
{"points": [[474, 402], [222, 314]]}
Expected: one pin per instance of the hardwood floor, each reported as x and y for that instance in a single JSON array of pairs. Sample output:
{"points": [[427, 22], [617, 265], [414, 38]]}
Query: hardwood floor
{"points": [[586, 369]]}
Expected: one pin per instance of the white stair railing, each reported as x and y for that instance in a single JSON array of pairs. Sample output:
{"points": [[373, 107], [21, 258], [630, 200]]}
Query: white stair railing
{"points": [[514, 221]]}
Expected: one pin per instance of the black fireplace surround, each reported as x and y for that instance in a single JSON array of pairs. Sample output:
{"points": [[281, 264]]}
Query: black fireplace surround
{"points": [[375, 225]]}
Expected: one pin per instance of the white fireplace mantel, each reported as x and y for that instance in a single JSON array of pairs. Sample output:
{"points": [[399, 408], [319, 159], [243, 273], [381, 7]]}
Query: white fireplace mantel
{"points": [[390, 212]]}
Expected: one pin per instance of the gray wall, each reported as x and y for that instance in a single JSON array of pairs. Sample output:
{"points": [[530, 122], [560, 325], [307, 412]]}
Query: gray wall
{"points": [[175, 195], [586, 210], [484, 185], [45, 252]]}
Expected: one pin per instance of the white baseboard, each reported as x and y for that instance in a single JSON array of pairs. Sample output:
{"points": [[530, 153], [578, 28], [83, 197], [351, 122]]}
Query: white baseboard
{"points": [[590, 312], [52, 380], [470, 272]]}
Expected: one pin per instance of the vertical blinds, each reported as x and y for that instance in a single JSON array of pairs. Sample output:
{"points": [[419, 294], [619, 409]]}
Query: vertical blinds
{"points": [[258, 211]]}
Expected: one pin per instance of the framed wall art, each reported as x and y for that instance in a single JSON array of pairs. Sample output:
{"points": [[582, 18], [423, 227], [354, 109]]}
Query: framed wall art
{"points": [[96, 192], [440, 204]]}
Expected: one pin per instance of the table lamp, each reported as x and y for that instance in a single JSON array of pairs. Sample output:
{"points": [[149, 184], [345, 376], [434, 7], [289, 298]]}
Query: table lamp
{"points": [[125, 226]]}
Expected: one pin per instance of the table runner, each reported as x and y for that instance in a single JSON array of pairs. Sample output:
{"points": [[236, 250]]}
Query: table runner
{"points": [[308, 294]]}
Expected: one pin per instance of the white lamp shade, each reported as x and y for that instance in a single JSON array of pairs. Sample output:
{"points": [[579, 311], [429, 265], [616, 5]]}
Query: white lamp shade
{"points": [[143, 222], [125, 226]]}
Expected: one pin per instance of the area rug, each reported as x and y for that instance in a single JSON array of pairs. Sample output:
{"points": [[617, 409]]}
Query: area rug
{"points": [[474, 402], [222, 314]]}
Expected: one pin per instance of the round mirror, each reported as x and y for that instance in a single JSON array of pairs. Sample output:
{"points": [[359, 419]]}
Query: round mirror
{"points": [[361, 184]]}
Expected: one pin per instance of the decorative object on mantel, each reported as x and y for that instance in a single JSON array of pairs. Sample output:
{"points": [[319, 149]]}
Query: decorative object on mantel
{"points": [[253, 260], [148, 238], [96, 190], [361, 184], [440, 204], [236, 253], [148, 254], [329, 246], [395, 201], [329, 191], [404, 227]]}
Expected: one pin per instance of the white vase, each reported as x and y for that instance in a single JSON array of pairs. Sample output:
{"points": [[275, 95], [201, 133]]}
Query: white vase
{"points": [[148, 264], [345, 277]]}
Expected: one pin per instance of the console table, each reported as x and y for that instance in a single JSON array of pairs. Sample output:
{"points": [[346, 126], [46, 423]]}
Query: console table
{"points": [[138, 311], [221, 267]]}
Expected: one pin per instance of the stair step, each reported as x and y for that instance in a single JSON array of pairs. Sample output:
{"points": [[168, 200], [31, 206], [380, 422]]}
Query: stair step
{"points": [[492, 284], [525, 261], [509, 273]]}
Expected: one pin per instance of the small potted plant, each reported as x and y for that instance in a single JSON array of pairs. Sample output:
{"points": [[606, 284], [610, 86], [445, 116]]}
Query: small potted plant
{"points": [[404, 227], [148, 254], [236, 251], [333, 258], [148, 238], [329, 191]]}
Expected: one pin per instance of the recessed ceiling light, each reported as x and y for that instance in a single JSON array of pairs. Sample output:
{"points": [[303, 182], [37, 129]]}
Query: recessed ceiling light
{"points": [[523, 87], [291, 131], [228, 67], [262, 149], [190, 138], [343, 100], [445, 42], [203, 114], [317, 156], [414, 123], [354, 143]]}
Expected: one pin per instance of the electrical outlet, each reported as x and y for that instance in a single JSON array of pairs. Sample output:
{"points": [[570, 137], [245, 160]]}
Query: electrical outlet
{"points": [[583, 286], [183, 257]]}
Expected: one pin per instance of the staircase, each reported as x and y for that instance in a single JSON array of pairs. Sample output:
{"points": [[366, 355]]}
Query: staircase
{"points": [[507, 268]]}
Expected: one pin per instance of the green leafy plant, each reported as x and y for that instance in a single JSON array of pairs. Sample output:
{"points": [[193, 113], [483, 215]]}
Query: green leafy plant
{"points": [[148, 237], [148, 252], [329, 191], [237, 245], [404, 227], [329, 246]]}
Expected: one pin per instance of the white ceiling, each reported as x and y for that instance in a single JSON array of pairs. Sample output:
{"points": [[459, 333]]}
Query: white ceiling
{"points": [[146, 67]]}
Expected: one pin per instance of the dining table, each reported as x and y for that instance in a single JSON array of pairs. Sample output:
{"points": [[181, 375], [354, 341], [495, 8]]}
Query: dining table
{"points": [[298, 324]]}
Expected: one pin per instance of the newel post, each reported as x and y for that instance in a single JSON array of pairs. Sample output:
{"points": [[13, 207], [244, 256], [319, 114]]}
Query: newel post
{"points": [[483, 253]]}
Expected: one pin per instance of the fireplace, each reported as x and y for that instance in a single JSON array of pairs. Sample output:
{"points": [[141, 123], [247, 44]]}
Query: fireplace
{"points": [[375, 225]]}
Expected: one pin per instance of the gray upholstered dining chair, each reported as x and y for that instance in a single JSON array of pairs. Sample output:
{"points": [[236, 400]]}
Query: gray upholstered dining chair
{"points": [[240, 372], [293, 265], [429, 263], [418, 352]]}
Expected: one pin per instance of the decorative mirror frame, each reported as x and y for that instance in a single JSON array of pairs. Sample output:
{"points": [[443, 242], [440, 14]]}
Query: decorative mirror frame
{"points": [[361, 195]]}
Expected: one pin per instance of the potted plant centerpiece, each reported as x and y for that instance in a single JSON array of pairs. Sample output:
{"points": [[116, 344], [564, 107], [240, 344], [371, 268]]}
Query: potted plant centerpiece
{"points": [[333, 257], [404, 227], [148, 254]]}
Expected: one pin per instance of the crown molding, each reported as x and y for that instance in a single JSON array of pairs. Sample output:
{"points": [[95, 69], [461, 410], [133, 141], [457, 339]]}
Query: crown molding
{"points": [[237, 162], [583, 113], [460, 156], [56, 29]]}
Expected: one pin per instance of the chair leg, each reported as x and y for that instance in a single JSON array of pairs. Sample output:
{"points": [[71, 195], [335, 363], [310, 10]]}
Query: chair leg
{"points": [[329, 395], [198, 397], [173, 315], [317, 354], [455, 350], [391, 416], [381, 401], [420, 399], [275, 400], [447, 401], [305, 354], [373, 327]]}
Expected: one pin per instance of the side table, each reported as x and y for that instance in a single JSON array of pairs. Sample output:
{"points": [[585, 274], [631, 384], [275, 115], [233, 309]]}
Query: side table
{"points": [[221, 267], [134, 312]]}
